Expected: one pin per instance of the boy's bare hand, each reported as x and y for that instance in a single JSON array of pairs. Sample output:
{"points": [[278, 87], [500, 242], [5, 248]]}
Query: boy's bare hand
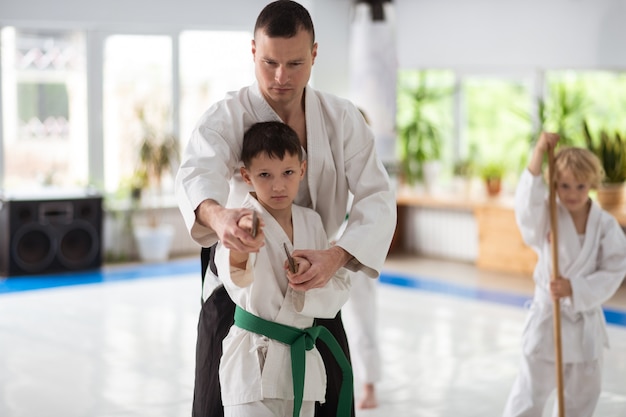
{"points": [[560, 288], [547, 140]]}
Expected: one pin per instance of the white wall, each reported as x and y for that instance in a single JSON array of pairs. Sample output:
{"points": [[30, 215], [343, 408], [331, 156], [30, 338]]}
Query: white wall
{"points": [[511, 34], [490, 35], [331, 18], [237, 14]]}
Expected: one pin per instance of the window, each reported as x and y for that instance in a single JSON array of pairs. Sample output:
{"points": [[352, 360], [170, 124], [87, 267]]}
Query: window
{"points": [[499, 117], [44, 138], [211, 64], [497, 126], [425, 120], [476, 120], [597, 97], [138, 84], [137, 91], [44, 108]]}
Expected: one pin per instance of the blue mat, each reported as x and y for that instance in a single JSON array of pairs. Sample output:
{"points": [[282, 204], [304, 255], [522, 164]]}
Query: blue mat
{"points": [[613, 316], [103, 275], [187, 266]]}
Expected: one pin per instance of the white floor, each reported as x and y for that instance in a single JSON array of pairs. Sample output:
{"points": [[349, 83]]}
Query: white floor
{"points": [[126, 348]]}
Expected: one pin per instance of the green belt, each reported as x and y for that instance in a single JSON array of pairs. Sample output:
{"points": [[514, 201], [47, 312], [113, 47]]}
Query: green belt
{"points": [[300, 341]]}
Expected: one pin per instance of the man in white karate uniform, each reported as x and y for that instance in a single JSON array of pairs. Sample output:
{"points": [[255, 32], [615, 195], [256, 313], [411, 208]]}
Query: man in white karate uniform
{"points": [[341, 158]]}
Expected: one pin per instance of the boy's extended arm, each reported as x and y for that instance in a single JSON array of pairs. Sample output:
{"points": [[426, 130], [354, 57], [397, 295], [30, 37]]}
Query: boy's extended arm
{"points": [[545, 141]]}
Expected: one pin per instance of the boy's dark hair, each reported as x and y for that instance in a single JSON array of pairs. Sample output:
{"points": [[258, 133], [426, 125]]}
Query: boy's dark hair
{"points": [[272, 138], [284, 19]]}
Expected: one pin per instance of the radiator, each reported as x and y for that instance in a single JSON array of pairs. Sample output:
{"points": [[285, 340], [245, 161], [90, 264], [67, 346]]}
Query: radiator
{"points": [[449, 234]]}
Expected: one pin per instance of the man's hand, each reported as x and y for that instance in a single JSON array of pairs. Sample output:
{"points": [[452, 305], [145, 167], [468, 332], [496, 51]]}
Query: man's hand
{"points": [[232, 226], [324, 264], [302, 265]]}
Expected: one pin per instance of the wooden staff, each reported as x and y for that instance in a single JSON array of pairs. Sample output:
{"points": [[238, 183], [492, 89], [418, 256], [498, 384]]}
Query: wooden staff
{"points": [[555, 273]]}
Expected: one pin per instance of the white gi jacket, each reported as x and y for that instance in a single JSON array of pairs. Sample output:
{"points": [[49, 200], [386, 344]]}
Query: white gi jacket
{"points": [[341, 157], [254, 367], [595, 269]]}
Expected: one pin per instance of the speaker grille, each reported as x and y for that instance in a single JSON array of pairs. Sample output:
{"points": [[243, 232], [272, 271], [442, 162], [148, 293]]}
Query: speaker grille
{"points": [[33, 248], [78, 245], [50, 235]]}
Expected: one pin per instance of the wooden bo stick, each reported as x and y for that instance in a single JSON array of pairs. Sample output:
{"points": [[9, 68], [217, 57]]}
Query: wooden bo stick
{"points": [[555, 273]]}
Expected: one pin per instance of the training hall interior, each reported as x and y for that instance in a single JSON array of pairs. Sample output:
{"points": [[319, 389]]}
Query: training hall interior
{"points": [[100, 284]]}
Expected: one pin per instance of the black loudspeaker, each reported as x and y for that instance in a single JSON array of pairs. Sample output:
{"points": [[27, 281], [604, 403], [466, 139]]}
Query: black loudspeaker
{"points": [[40, 236]]}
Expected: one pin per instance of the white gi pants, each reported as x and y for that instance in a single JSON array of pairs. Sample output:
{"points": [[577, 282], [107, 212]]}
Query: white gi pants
{"points": [[269, 407], [582, 384], [359, 315]]}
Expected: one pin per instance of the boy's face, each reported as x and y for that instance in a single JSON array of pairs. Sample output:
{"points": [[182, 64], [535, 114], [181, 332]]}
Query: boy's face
{"points": [[275, 181], [573, 193]]}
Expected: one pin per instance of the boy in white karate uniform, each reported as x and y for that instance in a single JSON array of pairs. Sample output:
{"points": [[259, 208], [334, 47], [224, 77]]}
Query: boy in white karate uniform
{"points": [[256, 374], [592, 265]]}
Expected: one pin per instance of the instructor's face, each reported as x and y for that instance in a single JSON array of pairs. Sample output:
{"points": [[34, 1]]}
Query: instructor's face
{"points": [[283, 66]]}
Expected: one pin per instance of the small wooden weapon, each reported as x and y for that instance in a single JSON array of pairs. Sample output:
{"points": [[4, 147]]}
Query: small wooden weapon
{"points": [[255, 224], [292, 264]]}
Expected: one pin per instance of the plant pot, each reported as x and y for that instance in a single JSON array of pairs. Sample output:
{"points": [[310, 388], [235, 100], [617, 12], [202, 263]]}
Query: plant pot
{"points": [[611, 196], [154, 243], [493, 186]]}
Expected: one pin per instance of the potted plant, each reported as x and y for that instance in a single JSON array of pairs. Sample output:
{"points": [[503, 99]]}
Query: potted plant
{"points": [[158, 155], [419, 130], [492, 173], [611, 150]]}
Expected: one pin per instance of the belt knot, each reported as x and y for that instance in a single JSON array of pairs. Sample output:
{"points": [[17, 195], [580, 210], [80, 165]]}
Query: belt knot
{"points": [[310, 337], [300, 341]]}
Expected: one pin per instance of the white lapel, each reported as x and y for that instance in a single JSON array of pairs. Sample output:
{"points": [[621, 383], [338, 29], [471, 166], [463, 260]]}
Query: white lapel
{"points": [[579, 255], [315, 133], [273, 231], [261, 109]]}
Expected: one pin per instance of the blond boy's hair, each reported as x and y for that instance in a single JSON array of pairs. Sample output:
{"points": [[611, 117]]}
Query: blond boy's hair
{"points": [[584, 165]]}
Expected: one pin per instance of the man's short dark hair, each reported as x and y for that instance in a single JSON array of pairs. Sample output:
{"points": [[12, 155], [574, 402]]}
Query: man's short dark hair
{"points": [[284, 19], [274, 139]]}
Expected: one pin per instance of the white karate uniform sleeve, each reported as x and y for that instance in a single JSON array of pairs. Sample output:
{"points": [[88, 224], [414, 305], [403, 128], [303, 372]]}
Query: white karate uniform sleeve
{"points": [[341, 159], [603, 282], [531, 210]]}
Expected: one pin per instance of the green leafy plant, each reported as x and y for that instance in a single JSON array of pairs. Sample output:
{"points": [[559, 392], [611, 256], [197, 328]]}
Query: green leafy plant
{"points": [[611, 150], [419, 131], [563, 111], [157, 151], [463, 168], [492, 170], [158, 154], [492, 173]]}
